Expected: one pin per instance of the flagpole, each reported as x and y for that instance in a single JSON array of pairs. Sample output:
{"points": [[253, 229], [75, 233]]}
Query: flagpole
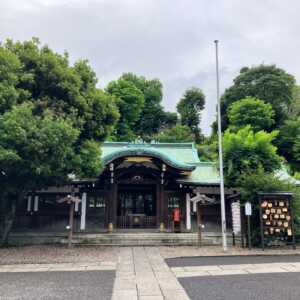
{"points": [[223, 210]]}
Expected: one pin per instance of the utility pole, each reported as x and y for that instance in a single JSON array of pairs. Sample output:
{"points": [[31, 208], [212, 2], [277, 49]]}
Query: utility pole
{"points": [[223, 210]]}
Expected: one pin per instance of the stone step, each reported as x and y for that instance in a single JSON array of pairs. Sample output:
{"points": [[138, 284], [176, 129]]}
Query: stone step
{"points": [[121, 239], [149, 239]]}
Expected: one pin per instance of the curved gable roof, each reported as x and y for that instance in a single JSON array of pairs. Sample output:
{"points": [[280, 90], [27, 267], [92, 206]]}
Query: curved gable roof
{"points": [[143, 150], [182, 156]]}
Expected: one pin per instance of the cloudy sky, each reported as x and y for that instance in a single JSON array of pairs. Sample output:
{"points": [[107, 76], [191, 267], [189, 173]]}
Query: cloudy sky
{"points": [[168, 39]]}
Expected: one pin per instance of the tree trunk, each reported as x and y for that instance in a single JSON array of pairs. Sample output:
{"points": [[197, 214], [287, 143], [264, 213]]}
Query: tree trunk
{"points": [[10, 218]]}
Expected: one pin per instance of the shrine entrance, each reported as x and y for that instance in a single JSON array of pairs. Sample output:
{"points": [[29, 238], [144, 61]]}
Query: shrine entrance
{"points": [[136, 206]]}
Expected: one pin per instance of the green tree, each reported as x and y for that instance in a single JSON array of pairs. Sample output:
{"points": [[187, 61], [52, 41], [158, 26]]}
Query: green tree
{"points": [[294, 110], [176, 134], [189, 107], [208, 149], [152, 118], [10, 67], [130, 101], [38, 74], [52, 119], [265, 82], [168, 120], [246, 151], [37, 151], [288, 143], [250, 111]]}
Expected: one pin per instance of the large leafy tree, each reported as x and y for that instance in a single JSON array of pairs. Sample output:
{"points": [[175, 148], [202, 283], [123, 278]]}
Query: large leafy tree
{"points": [[189, 108], [266, 82], [130, 101], [251, 111], [34, 151], [246, 151], [38, 74], [52, 119], [152, 118]]}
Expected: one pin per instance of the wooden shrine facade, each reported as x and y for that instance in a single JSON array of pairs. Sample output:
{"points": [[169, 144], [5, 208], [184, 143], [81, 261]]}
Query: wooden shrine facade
{"points": [[139, 188]]}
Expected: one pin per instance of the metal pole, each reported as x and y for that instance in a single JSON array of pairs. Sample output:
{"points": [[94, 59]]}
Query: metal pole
{"points": [[223, 211], [249, 232]]}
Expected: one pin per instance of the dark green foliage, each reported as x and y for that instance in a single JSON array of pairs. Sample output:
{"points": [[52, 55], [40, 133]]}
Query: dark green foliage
{"points": [[266, 82], [294, 110], [52, 120], [45, 78], [208, 150], [251, 111], [143, 115], [189, 108], [36, 150], [130, 101], [176, 134], [246, 151], [288, 143]]}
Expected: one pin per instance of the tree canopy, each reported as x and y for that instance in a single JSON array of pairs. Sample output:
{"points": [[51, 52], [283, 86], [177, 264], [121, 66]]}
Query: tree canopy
{"points": [[251, 111], [245, 151], [52, 120], [265, 82], [142, 116], [130, 101], [189, 108], [288, 143]]}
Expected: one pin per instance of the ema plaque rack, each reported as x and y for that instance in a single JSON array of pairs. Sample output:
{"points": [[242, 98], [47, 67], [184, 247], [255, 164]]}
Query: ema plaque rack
{"points": [[276, 219]]}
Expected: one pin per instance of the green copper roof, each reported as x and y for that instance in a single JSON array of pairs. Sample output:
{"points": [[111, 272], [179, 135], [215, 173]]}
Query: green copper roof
{"points": [[112, 151], [182, 156], [206, 173]]}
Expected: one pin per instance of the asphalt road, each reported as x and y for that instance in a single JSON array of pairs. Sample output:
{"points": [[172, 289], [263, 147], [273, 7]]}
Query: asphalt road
{"points": [[230, 260], [57, 285], [280, 286]]}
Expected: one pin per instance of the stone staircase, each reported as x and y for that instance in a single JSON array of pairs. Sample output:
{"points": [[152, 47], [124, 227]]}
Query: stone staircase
{"points": [[122, 239]]}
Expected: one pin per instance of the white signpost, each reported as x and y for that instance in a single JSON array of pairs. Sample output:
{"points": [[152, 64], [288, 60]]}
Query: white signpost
{"points": [[248, 209]]}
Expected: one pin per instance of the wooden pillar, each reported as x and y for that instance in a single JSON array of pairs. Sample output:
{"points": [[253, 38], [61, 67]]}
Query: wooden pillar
{"points": [[71, 224], [158, 205], [163, 214], [112, 207]]}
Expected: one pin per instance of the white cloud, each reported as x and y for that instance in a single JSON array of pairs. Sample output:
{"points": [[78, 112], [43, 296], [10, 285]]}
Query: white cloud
{"points": [[171, 40]]}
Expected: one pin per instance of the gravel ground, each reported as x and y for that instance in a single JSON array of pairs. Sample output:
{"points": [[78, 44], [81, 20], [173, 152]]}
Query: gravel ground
{"points": [[60, 254], [56, 254]]}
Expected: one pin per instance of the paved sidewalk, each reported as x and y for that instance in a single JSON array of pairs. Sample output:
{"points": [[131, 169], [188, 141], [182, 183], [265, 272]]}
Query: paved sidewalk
{"points": [[101, 266], [243, 269], [143, 274]]}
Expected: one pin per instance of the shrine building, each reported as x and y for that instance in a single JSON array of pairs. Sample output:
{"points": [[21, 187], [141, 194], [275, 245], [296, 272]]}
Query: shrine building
{"points": [[138, 189]]}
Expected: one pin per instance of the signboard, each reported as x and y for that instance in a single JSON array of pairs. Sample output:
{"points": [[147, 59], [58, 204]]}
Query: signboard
{"points": [[236, 217], [276, 220], [248, 209]]}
